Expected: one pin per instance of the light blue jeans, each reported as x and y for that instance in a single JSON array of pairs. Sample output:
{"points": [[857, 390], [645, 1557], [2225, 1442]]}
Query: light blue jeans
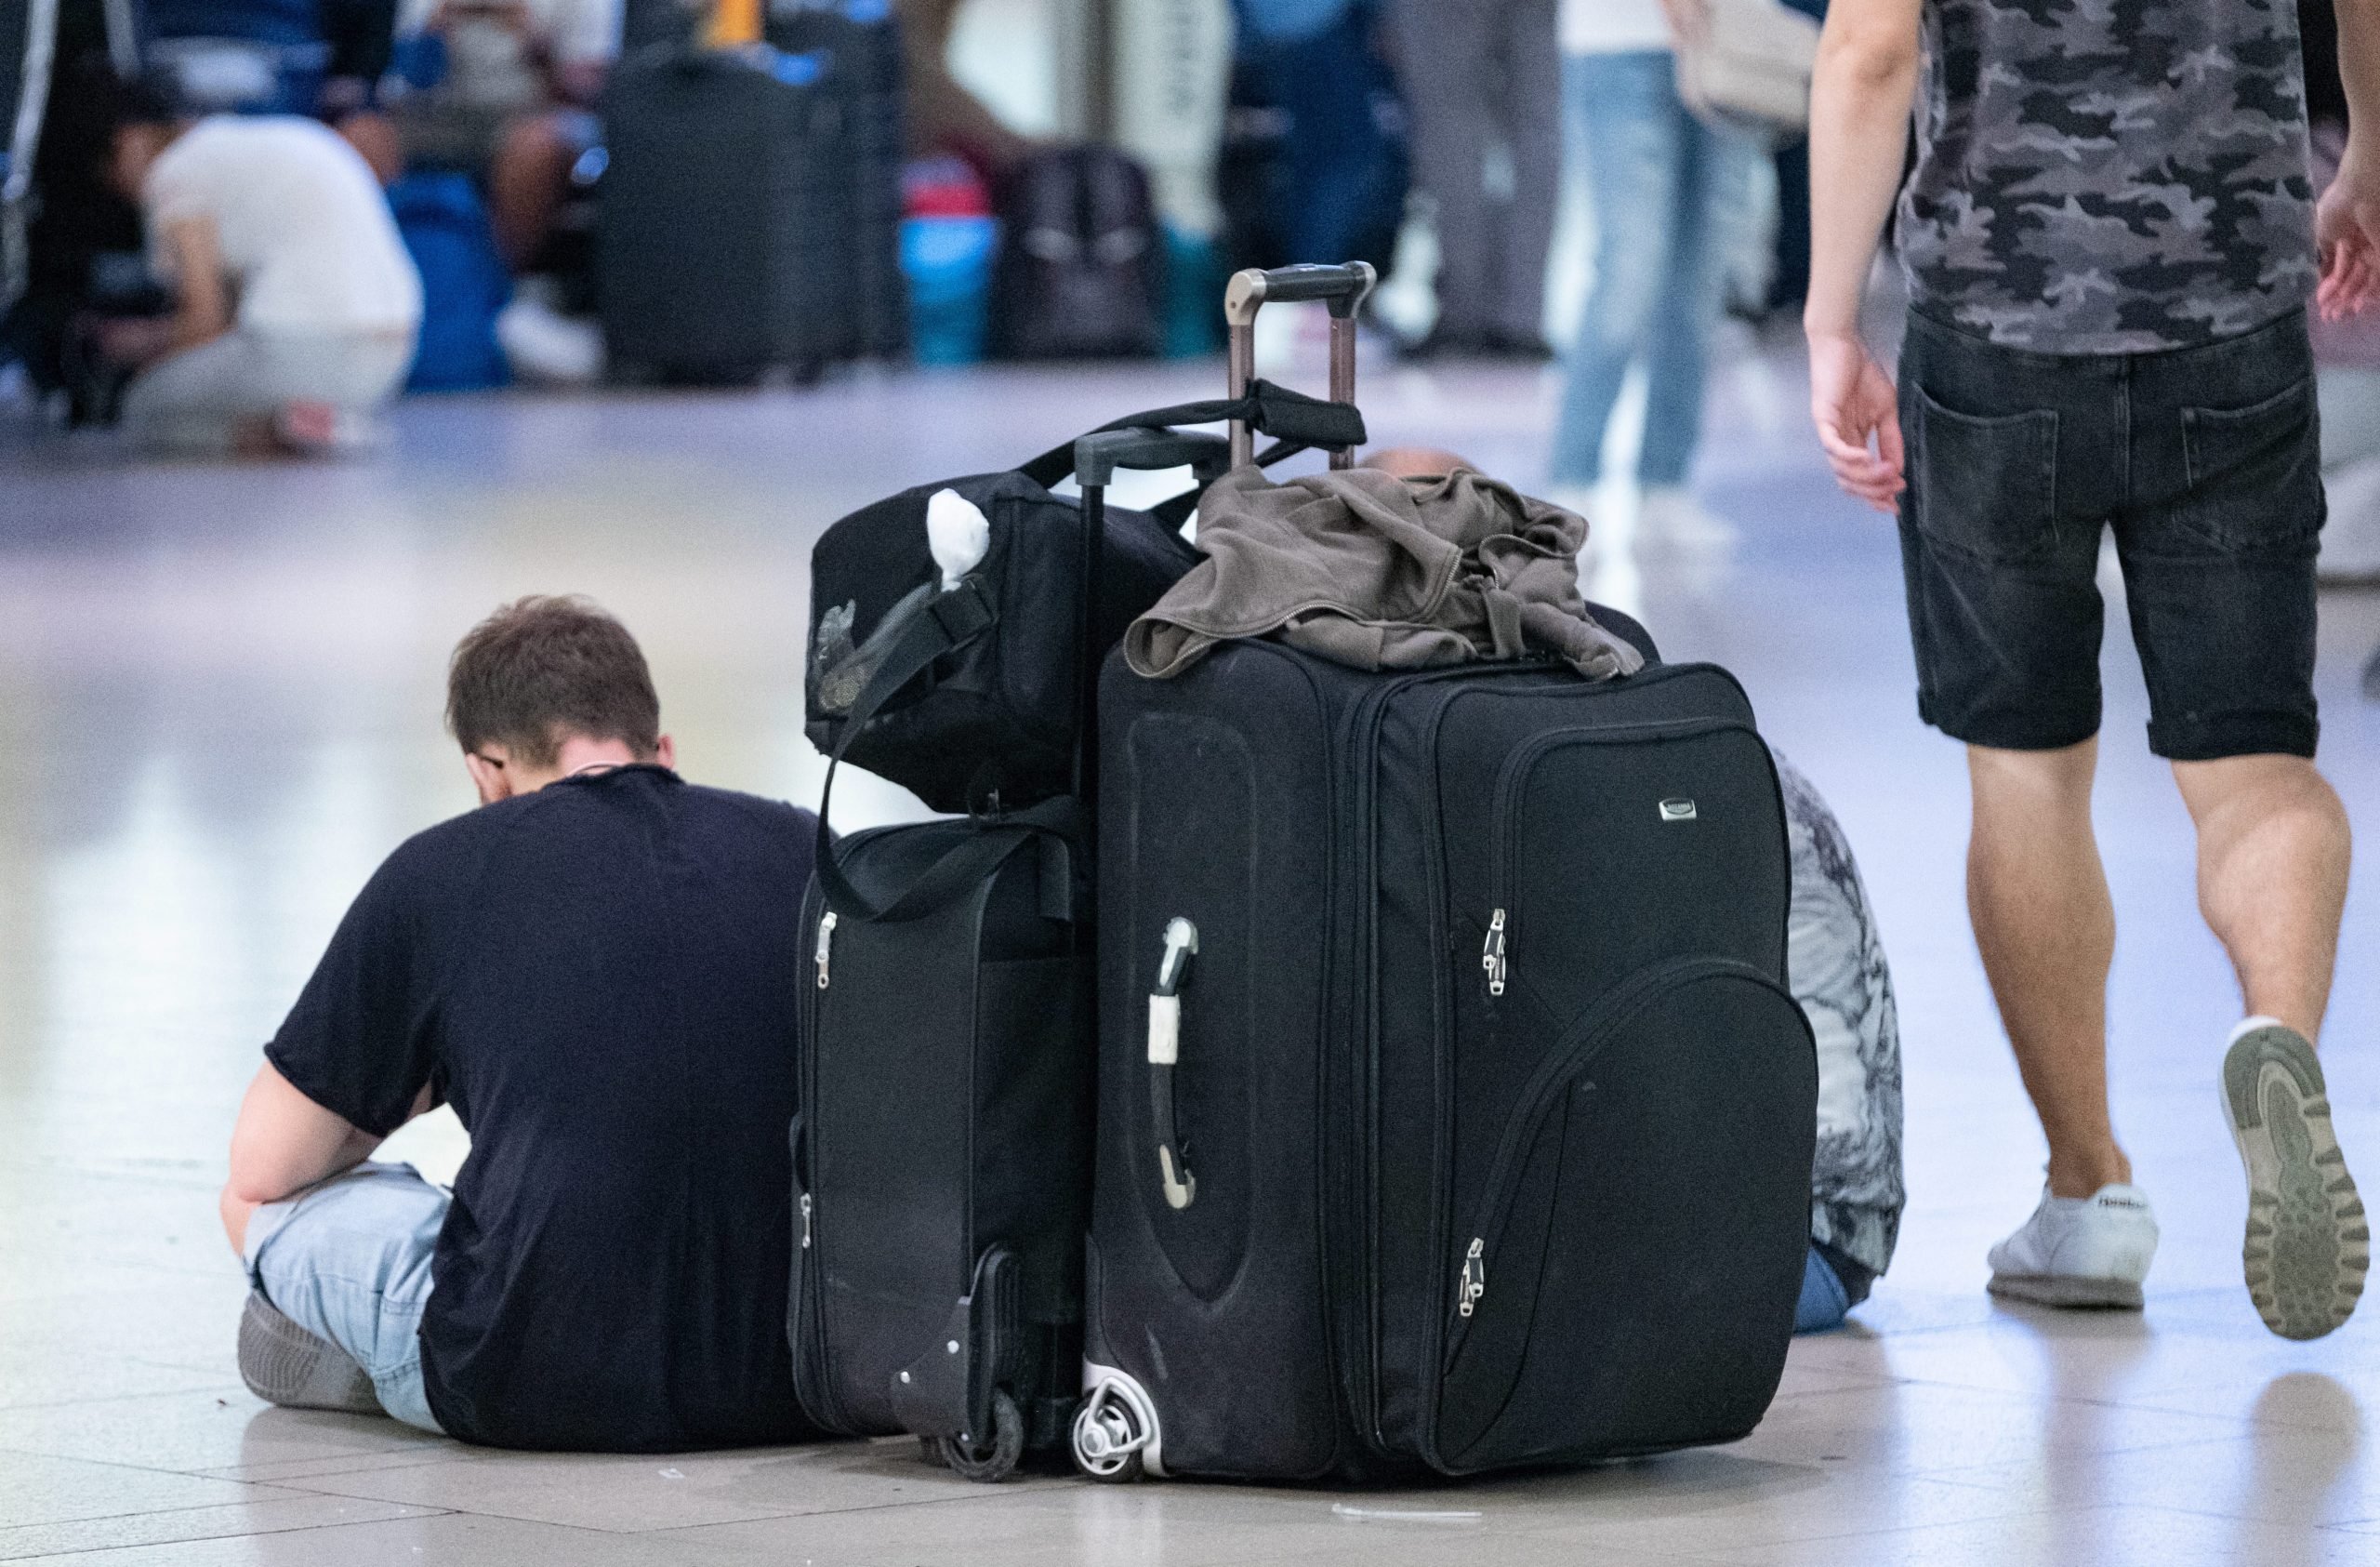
{"points": [[349, 1261], [1671, 200]]}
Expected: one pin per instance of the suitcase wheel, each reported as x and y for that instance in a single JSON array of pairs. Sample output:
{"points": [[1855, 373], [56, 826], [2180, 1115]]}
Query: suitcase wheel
{"points": [[1112, 1429], [989, 1461]]}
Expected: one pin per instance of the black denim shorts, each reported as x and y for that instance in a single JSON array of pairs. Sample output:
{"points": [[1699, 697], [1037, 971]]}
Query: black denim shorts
{"points": [[2206, 464]]}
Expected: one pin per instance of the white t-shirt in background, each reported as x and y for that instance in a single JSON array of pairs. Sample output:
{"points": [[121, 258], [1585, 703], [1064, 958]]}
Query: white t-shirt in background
{"points": [[307, 237], [1613, 26], [579, 31]]}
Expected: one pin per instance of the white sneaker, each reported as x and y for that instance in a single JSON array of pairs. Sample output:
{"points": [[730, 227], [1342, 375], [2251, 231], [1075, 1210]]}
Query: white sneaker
{"points": [[1671, 518], [2309, 1243], [546, 347], [2080, 1251]]}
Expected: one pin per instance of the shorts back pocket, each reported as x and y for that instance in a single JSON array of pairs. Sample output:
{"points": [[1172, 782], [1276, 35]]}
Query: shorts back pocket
{"points": [[2254, 473], [1986, 485]]}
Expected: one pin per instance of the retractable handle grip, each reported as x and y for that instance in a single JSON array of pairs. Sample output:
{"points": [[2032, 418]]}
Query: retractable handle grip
{"points": [[1343, 287], [1099, 454]]}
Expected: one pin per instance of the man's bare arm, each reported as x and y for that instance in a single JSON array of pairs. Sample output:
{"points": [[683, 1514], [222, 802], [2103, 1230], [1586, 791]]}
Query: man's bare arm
{"points": [[283, 1143], [1865, 81]]}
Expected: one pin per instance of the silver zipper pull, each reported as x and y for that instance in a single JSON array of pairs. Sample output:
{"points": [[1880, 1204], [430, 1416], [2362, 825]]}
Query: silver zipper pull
{"points": [[1493, 959], [1472, 1287], [826, 946], [805, 1221]]}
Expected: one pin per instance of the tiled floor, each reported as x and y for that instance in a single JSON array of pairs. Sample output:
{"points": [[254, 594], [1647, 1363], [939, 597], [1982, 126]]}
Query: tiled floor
{"points": [[218, 708]]}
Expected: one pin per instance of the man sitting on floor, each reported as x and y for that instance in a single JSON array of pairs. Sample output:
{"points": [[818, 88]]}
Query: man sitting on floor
{"points": [[598, 970]]}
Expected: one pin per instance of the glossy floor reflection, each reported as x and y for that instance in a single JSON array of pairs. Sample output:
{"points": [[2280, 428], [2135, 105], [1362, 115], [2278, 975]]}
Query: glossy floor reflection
{"points": [[219, 692]]}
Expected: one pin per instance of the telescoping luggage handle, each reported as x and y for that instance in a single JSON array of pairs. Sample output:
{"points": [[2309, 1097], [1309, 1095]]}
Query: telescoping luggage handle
{"points": [[1343, 288]]}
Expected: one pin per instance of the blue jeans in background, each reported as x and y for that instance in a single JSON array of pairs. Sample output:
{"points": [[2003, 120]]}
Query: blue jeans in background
{"points": [[349, 1261], [1824, 1301], [1671, 200]]}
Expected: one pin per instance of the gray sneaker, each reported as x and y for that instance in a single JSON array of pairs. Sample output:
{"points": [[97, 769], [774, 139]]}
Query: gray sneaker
{"points": [[285, 1364], [2309, 1242]]}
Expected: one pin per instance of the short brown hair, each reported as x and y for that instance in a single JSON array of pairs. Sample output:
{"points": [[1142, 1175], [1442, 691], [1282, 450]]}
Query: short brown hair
{"points": [[542, 669]]}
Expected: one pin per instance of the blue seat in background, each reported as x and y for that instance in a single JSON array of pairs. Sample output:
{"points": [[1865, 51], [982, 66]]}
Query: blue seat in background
{"points": [[464, 283]]}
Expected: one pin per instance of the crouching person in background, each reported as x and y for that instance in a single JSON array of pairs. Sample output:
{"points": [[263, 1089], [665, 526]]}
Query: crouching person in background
{"points": [[598, 970], [295, 307]]}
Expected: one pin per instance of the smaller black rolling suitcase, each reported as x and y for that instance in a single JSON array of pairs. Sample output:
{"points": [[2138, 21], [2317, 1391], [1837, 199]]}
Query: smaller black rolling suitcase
{"points": [[942, 1153], [722, 248]]}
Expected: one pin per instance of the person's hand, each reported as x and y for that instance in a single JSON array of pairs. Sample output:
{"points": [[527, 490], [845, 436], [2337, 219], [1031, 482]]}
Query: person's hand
{"points": [[1853, 403], [1689, 20], [2347, 229]]}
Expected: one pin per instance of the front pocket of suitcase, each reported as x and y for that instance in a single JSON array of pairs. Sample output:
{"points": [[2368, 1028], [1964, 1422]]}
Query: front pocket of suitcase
{"points": [[1630, 1274]]}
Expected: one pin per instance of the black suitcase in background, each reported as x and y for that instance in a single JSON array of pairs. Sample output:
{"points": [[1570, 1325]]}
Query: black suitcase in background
{"points": [[1080, 269], [722, 247], [1454, 1114], [863, 39]]}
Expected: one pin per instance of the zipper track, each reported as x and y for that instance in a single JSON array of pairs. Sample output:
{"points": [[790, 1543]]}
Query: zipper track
{"points": [[813, 1290], [1583, 1040], [1363, 754], [1512, 782]]}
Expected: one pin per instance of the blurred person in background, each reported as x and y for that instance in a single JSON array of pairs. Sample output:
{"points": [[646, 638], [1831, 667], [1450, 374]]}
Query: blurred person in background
{"points": [[319, 57], [2347, 353], [295, 307], [2107, 331], [505, 90], [1483, 86], [1789, 277], [1316, 64], [1671, 200], [943, 116]]}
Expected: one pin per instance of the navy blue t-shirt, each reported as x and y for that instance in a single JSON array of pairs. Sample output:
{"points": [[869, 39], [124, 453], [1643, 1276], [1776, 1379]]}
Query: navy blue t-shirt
{"points": [[601, 977]]}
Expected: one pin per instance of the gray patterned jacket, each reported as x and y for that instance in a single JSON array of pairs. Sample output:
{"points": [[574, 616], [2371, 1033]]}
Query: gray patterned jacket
{"points": [[1840, 977]]}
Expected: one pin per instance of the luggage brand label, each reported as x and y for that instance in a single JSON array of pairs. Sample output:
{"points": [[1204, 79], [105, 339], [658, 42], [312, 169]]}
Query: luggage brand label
{"points": [[1678, 810]]}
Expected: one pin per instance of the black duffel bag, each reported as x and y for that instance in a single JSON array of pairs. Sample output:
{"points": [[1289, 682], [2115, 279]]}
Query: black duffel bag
{"points": [[990, 724]]}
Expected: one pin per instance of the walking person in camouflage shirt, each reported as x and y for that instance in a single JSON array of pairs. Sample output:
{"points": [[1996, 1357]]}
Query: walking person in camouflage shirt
{"points": [[2109, 240]]}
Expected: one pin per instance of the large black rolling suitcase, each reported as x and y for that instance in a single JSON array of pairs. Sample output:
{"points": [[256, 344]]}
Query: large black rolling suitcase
{"points": [[1453, 1111], [722, 250]]}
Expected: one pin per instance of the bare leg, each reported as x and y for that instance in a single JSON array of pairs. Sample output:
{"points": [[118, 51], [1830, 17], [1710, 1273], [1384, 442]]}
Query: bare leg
{"points": [[2046, 930], [2272, 862], [526, 182], [375, 136]]}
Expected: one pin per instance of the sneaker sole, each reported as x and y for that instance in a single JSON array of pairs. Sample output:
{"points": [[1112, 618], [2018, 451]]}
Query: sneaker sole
{"points": [[2308, 1243], [284, 1364], [2068, 1291]]}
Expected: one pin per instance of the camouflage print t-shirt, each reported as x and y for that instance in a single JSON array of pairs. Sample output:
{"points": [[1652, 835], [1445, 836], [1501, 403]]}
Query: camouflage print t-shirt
{"points": [[2109, 176]]}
